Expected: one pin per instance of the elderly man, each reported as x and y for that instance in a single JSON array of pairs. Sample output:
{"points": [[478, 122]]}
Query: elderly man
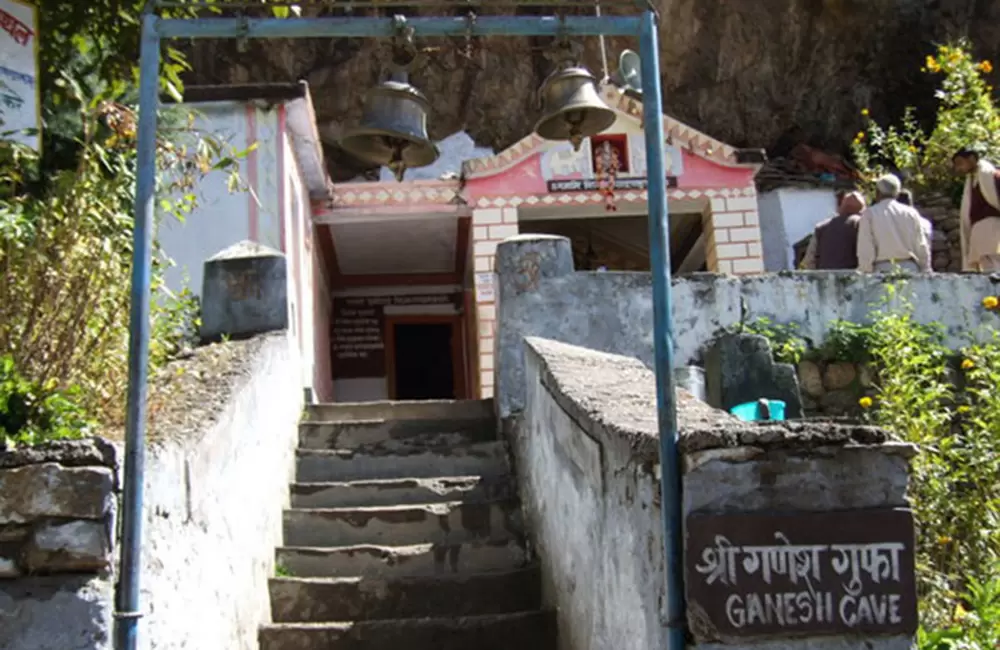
{"points": [[891, 235], [834, 243], [980, 219]]}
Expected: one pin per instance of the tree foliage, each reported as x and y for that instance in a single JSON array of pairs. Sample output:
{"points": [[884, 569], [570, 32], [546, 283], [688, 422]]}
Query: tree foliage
{"points": [[967, 116]]}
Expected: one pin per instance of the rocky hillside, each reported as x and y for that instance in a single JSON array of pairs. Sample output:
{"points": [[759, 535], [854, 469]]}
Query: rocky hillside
{"points": [[766, 73]]}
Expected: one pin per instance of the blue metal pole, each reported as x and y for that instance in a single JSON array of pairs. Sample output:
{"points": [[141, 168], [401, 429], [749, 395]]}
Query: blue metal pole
{"points": [[127, 612], [329, 27], [659, 259]]}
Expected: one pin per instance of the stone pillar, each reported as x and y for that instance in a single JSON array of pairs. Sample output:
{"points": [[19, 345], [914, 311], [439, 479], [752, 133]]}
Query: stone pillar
{"points": [[798, 535], [733, 243], [490, 226], [522, 264], [245, 292]]}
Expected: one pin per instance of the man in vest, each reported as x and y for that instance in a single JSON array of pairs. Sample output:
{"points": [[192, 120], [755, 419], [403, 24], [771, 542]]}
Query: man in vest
{"points": [[980, 218], [891, 235], [834, 242]]}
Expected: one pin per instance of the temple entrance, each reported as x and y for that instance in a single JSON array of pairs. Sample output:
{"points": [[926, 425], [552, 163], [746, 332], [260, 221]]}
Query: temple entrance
{"points": [[423, 356], [621, 243]]}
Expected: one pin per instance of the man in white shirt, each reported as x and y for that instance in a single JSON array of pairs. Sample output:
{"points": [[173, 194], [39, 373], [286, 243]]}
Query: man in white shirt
{"points": [[891, 235]]}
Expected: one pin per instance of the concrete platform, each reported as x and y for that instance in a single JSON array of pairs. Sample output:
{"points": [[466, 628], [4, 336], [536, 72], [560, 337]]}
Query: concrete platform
{"points": [[438, 523], [310, 600], [360, 433], [425, 410], [404, 491], [477, 459], [533, 630], [474, 556]]}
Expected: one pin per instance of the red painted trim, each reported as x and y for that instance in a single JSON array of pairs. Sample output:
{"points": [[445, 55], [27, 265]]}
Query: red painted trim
{"points": [[462, 245], [253, 212], [282, 142]]}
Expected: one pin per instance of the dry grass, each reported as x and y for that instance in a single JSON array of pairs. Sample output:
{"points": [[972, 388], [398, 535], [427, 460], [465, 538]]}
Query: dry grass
{"points": [[187, 396]]}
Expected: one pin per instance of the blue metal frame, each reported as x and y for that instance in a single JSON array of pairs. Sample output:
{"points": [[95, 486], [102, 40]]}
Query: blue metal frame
{"points": [[663, 336], [155, 28]]}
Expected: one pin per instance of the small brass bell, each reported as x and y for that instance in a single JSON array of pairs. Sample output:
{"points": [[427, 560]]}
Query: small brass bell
{"points": [[393, 130], [573, 108]]}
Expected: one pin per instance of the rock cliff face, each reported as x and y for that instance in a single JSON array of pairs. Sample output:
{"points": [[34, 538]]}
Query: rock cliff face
{"points": [[765, 73]]}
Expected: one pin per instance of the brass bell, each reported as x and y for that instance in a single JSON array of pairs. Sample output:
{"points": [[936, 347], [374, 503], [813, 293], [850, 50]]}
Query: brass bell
{"points": [[393, 130], [573, 108]]}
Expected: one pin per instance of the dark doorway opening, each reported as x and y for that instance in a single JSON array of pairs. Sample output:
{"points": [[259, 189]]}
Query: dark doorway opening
{"points": [[423, 361]]}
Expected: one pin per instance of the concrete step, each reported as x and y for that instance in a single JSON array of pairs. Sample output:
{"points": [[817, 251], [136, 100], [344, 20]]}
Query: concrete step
{"points": [[424, 410], [405, 491], [535, 630], [314, 600], [438, 523], [474, 556], [477, 459], [362, 433]]}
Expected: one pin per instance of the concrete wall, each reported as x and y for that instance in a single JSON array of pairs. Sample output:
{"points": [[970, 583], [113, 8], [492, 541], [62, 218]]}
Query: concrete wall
{"points": [[274, 212], [214, 510], [612, 312], [592, 510], [215, 489], [222, 217], [788, 215], [586, 448]]}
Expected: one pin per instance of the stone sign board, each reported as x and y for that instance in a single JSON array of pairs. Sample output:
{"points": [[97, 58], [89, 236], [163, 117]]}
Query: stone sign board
{"points": [[800, 574]]}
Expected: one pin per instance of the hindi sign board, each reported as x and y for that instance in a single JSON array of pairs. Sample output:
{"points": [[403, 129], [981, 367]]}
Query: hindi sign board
{"points": [[358, 331], [801, 574], [20, 109], [591, 184]]}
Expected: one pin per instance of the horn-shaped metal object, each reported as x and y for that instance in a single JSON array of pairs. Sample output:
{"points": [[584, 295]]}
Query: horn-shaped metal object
{"points": [[573, 109], [393, 130]]}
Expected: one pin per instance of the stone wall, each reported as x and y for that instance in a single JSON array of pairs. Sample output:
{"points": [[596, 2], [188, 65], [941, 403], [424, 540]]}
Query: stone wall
{"points": [[57, 523], [586, 446], [946, 244], [612, 312], [218, 465]]}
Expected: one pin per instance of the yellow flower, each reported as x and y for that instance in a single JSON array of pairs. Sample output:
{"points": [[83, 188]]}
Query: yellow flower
{"points": [[860, 136], [991, 302], [960, 612], [968, 364], [865, 402], [986, 67], [864, 112], [964, 408], [913, 149], [944, 539], [932, 64]]}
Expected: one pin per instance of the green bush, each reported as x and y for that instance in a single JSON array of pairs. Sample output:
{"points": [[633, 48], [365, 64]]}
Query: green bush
{"points": [[31, 413], [967, 115], [947, 402]]}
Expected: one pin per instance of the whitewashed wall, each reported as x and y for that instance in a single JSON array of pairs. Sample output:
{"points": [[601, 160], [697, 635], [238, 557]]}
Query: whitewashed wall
{"points": [[786, 216], [222, 217], [273, 209]]}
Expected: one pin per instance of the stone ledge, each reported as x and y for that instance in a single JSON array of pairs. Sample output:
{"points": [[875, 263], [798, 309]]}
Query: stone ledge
{"points": [[614, 396], [68, 453]]}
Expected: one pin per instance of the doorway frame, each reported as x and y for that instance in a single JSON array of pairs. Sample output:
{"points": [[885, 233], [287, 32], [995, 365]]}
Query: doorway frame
{"points": [[458, 363]]}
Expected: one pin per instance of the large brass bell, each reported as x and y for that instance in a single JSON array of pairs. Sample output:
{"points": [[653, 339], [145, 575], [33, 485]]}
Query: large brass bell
{"points": [[393, 130], [573, 109]]}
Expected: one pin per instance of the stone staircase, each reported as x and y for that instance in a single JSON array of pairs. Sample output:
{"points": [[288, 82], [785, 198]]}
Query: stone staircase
{"points": [[404, 533]]}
